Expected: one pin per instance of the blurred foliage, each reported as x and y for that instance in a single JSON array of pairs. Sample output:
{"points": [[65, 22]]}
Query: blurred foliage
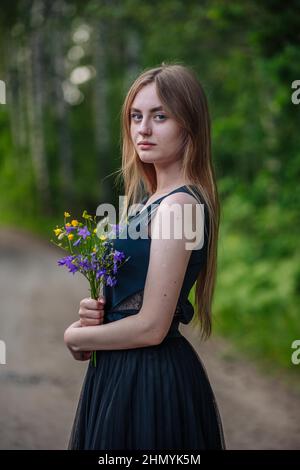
{"points": [[246, 55]]}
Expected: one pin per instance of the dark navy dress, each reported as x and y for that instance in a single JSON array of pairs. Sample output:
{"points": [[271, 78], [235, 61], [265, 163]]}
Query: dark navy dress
{"points": [[155, 397]]}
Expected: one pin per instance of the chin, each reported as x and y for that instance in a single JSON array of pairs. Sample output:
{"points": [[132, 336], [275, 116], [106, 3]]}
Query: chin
{"points": [[146, 159]]}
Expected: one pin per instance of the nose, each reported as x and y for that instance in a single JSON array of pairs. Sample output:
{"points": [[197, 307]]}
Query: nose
{"points": [[145, 129]]}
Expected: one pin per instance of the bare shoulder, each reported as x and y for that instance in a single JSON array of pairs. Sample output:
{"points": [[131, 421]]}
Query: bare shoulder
{"points": [[180, 198], [180, 216], [178, 204], [185, 207]]}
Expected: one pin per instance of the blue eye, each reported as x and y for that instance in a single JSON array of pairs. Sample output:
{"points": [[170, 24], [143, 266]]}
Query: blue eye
{"points": [[162, 115], [133, 115]]}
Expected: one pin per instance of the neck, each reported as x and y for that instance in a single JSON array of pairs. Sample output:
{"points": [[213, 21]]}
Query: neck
{"points": [[167, 184]]}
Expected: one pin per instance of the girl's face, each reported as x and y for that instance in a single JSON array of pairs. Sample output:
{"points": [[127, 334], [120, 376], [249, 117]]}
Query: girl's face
{"points": [[150, 122]]}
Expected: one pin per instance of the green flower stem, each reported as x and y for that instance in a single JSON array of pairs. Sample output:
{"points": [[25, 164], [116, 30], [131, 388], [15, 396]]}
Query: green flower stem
{"points": [[93, 291], [94, 358]]}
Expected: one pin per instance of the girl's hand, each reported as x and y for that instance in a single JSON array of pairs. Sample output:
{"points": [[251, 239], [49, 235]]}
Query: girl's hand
{"points": [[81, 355], [91, 312], [78, 355]]}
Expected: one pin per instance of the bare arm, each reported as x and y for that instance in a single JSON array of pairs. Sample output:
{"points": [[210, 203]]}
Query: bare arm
{"points": [[167, 266], [127, 333], [169, 258]]}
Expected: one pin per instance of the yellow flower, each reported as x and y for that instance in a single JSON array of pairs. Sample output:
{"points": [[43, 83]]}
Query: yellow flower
{"points": [[85, 215], [57, 231], [66, 214], [103, 237], [70, 236], [95, 230], [68, 225], [75, 223], [94, 249]]}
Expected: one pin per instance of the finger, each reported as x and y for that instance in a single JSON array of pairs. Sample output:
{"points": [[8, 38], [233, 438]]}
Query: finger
{"points": [[91, 313], [101, 300], [82, 356], [89, 304], [85, 355], [89, 322]]}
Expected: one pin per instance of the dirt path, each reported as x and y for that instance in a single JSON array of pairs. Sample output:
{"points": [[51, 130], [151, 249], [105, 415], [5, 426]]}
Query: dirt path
{"points": [[40, 382]]}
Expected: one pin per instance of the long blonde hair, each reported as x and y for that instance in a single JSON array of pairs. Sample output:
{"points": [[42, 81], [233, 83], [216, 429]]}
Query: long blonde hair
{"points": [[183, 97]]}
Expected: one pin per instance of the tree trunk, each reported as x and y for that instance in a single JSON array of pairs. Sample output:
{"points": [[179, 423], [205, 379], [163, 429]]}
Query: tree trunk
{"points": [[66, 178], [132, 52], [102, 139], [35, 81]]}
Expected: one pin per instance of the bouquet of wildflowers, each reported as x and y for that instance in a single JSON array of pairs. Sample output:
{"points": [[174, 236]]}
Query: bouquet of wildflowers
{"points": [[90, 253]]}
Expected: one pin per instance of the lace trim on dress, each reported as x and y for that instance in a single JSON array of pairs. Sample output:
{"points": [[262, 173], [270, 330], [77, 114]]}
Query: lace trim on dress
{"points": [[135, 302]]}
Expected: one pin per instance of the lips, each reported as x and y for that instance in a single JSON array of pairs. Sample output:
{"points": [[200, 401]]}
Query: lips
{"points": [[146, 143]]}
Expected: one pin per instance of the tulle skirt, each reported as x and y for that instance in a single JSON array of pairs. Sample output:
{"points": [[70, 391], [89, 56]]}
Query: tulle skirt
{"points": [[150, 398]]}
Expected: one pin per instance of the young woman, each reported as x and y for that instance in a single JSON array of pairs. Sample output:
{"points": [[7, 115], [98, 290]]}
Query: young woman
{"points": [[149, 389]]}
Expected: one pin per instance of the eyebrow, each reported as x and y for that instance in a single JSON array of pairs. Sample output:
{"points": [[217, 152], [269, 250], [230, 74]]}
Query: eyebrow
{"points": [[152, 110]]}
